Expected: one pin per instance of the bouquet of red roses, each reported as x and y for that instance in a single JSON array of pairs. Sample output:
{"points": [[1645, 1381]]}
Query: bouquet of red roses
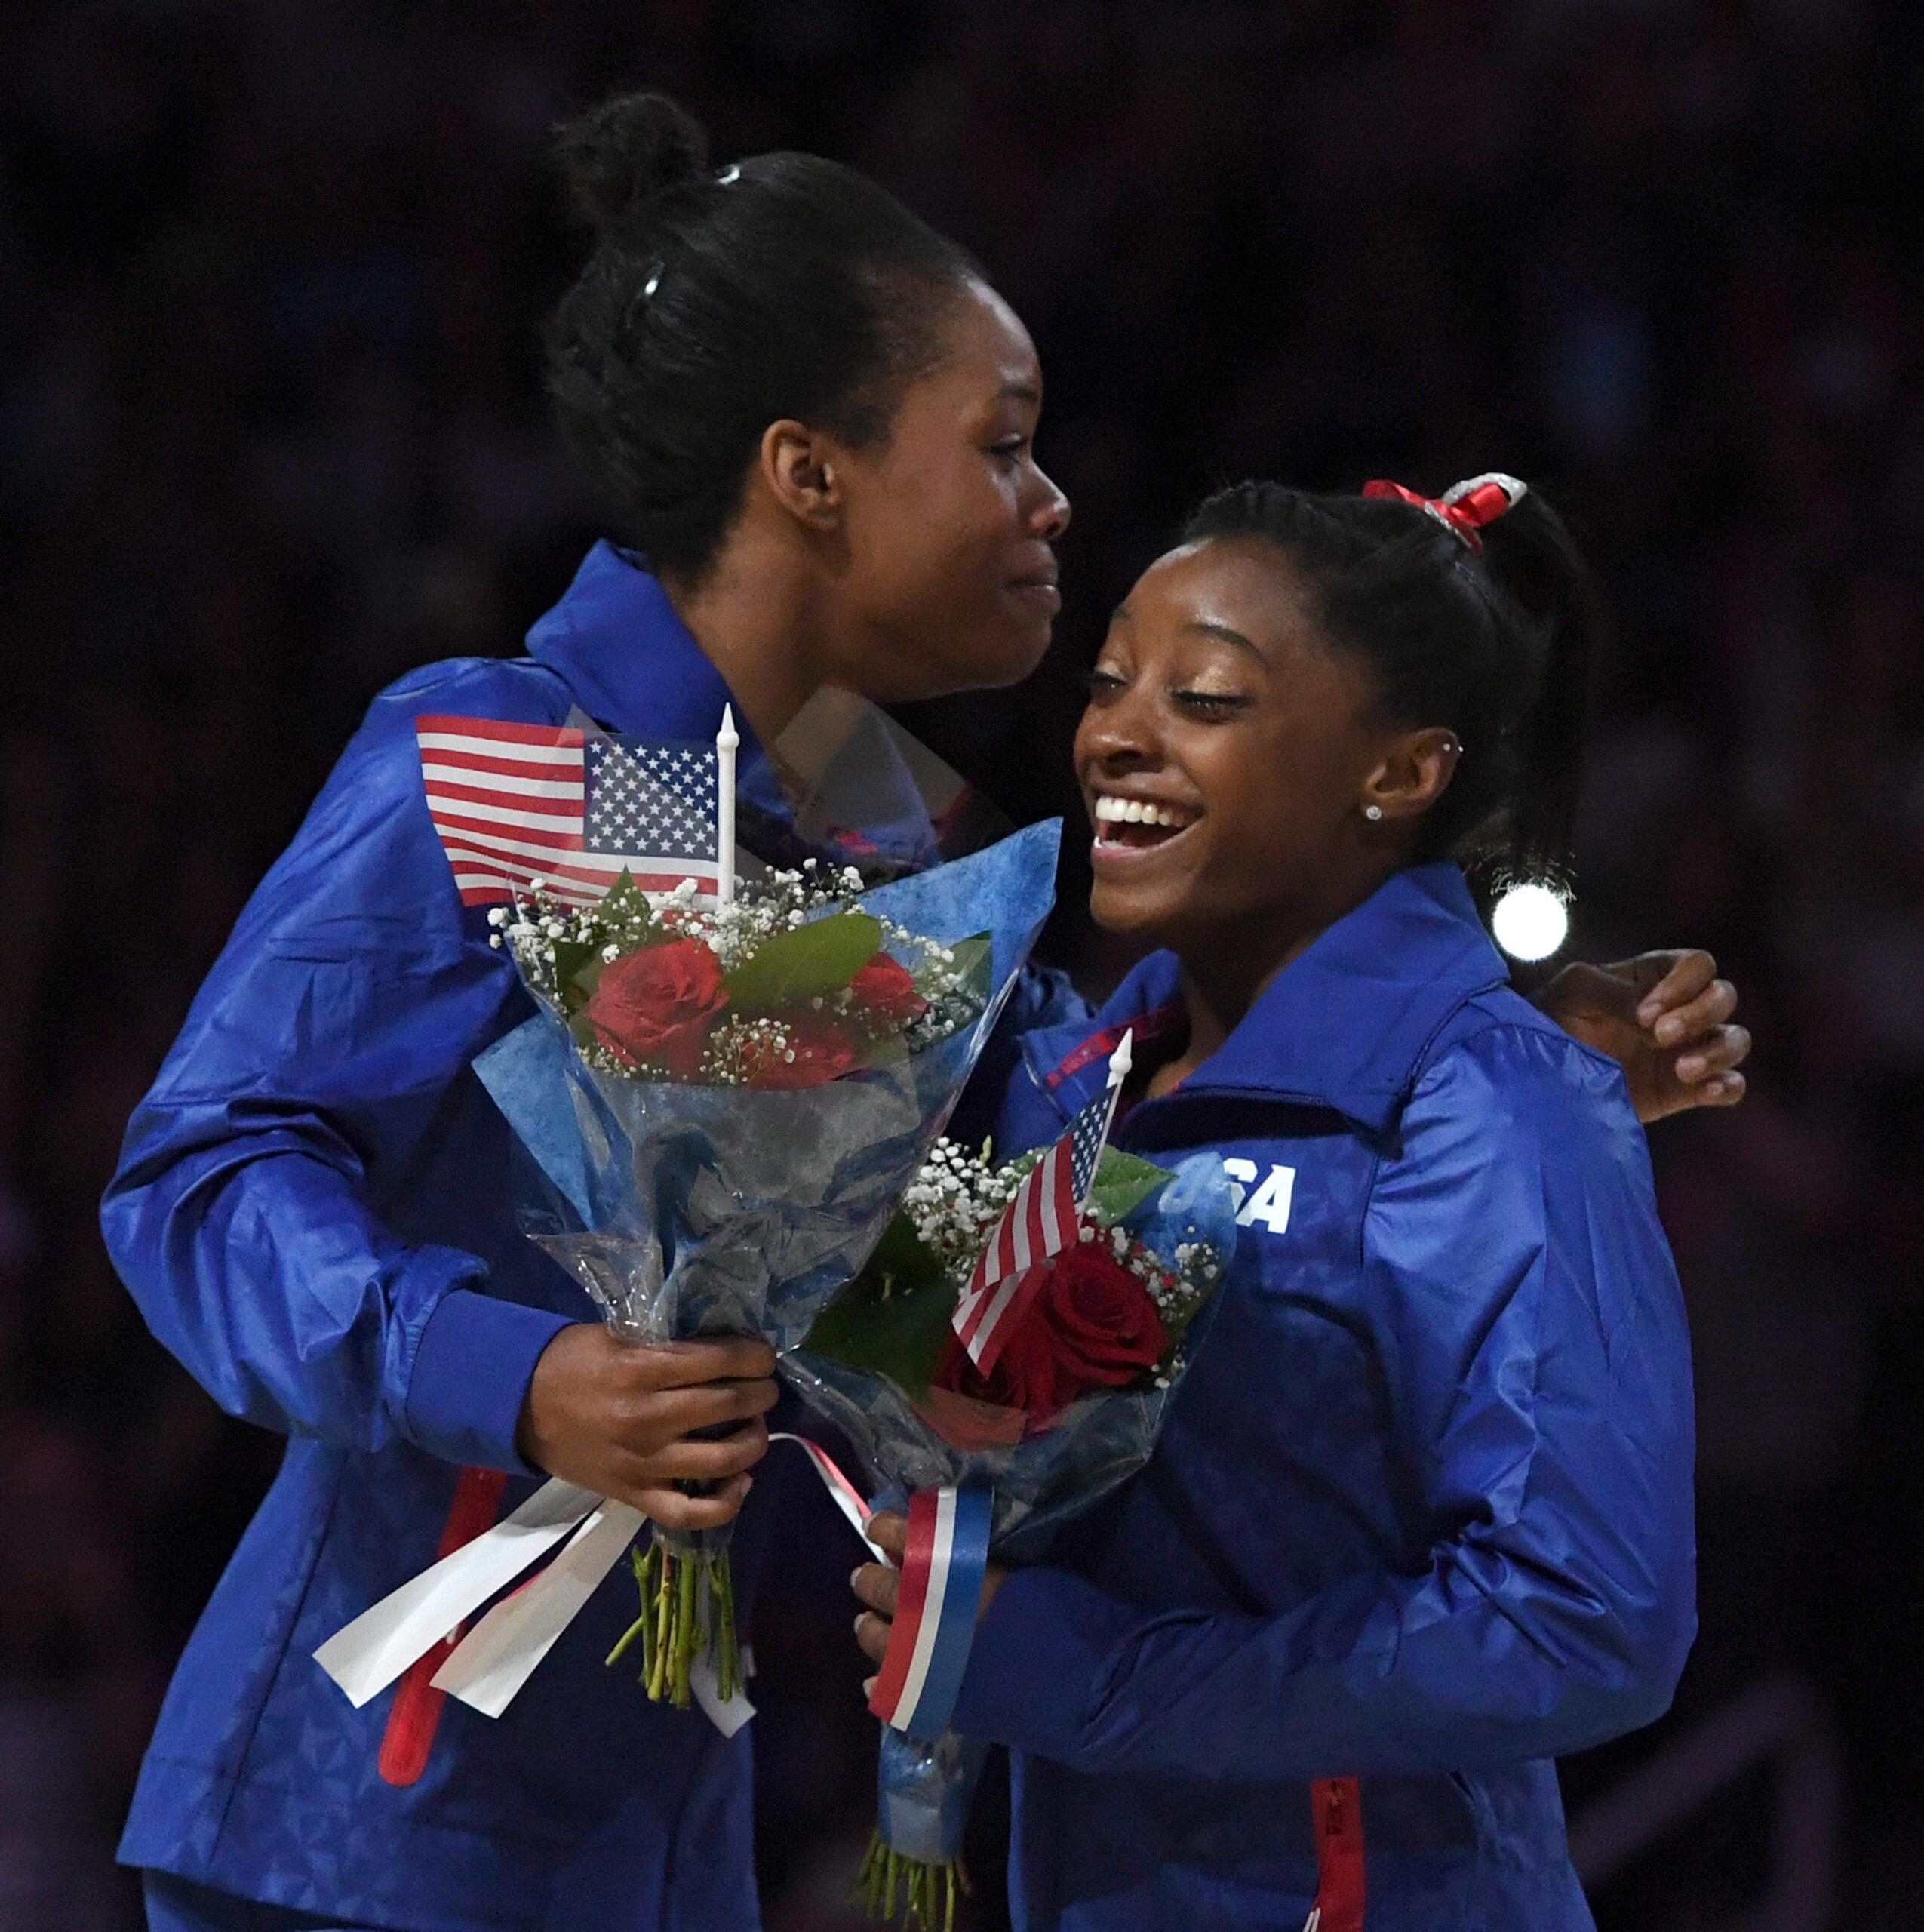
{"points": [[791, 984], [788, 985], [1004, 1360], [721, 1101]]}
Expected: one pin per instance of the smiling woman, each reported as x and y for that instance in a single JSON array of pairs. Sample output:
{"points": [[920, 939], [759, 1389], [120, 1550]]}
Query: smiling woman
{"points": [[1213, 707], [1422, 1517], [1310, 692]]}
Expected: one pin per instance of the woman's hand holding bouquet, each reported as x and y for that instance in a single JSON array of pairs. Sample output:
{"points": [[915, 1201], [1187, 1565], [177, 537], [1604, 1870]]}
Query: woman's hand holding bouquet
{"points": [[1003, 1361], [785, 990], [615, 1418]]}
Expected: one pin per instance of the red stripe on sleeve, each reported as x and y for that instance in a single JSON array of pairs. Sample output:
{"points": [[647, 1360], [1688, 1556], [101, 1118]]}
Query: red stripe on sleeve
{"points": [[1337, 1806]]}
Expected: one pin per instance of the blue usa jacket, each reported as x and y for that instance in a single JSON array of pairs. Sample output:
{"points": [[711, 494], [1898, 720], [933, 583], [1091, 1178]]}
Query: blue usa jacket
{"points": [[313, 1210], [1422, 1514]]}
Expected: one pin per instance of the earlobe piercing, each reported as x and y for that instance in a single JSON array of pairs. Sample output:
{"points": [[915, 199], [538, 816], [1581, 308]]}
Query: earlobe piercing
{"points": [[1373, 813]]}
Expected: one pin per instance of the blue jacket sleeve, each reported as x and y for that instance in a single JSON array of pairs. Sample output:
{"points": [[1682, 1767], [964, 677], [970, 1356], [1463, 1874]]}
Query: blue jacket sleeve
{"points": [[319, 1054], [1522, 1299]]}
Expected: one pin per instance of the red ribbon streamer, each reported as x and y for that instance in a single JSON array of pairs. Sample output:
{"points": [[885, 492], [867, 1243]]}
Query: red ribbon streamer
{"points": [[918, 1550], [1336, 1804], [416, 1715]]}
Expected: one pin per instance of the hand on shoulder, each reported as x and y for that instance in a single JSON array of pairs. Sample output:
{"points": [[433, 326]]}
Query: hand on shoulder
{"points": [[1665, 1017]]}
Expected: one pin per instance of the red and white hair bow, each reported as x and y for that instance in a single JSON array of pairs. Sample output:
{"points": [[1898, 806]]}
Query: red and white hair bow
{"points": [[1464, 508]]}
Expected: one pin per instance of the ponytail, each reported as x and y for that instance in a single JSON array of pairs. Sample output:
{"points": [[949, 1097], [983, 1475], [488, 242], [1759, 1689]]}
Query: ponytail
{"points": [[1535, 564]]}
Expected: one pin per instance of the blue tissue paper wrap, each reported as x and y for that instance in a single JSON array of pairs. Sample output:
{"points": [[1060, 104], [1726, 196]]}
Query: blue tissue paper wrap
{"points": [[693, 1211], [1041, 1483]]}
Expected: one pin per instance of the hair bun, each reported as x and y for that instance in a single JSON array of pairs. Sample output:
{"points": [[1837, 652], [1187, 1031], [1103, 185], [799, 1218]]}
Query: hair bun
{"points": [[618, 155]]}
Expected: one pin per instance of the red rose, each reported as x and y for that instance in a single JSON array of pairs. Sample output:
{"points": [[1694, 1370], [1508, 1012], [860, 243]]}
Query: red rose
{"points": [[1092, 1325], [819, 1050], [885, 990], [660, 1004]]}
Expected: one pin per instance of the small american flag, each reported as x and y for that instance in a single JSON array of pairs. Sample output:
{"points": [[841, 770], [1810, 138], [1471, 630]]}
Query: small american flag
{"points": [[1043, 1218], [512, 804]]}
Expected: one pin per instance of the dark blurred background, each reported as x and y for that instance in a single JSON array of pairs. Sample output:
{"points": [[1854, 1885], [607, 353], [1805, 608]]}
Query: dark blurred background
{"points": [[271, 432]]}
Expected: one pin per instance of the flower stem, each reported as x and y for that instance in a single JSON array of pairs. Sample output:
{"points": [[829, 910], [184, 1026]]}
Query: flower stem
{"points": [[730, 1645], [929, 1893], [639, 1628], [651, 1578], [664, 1607], [687, 1611], [684, 1630]]}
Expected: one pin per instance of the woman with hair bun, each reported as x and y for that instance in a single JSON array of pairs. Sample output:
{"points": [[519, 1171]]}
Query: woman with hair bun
{"points": [[809, 414], [813, 419], [1421, 1517]]}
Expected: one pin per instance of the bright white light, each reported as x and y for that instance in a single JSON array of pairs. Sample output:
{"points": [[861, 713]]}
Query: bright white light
{"points": [[1531, 922]]}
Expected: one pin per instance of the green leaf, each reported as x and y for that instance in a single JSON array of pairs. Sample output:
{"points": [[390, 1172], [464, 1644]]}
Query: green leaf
{"points": [[623, 902], [893, 1319], [805, 962], [1123, 1183], [570, 956], [901, 1258]]}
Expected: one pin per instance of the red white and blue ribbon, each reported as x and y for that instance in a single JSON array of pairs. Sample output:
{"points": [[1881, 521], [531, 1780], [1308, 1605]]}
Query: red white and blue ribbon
{"points": [[936, 1604], [1044, 1218]]}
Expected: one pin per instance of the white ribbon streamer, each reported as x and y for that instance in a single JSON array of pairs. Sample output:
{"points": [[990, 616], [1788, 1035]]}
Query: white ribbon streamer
{"points": [[366, 1656], [496, 1658], [842, 1493], [486, 1669]]}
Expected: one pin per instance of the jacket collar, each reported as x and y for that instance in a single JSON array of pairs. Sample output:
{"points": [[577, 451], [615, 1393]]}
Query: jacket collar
{"points": [[632, 663], [1343, 1026], [1069, 1061]]}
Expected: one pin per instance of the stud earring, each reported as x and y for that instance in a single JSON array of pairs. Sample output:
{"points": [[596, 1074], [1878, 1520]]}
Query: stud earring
{"points": [[1373, 813]]}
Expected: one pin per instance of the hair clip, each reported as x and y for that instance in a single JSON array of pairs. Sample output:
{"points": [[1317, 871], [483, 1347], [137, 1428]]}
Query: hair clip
{"points": [[1464, 508]]}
